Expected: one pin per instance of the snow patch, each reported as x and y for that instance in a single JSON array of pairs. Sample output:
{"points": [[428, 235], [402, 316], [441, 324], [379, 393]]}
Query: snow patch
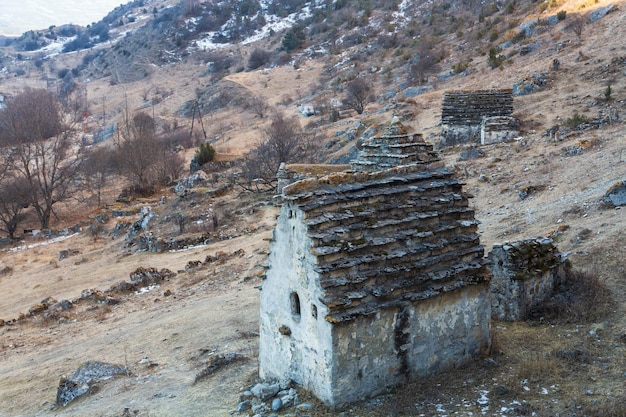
{"points": [[46, 243]]}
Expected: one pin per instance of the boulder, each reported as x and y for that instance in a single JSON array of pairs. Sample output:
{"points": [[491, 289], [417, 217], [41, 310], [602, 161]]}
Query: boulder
{"points": [[601, 12], [141, 225], [188, 183], [616, 195], [80, 382]]}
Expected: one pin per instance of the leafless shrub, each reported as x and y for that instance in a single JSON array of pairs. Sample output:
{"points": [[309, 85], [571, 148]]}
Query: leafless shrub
{"points": [[582, 297], [576, 25], [258, 58], [259, 107], [358, 94], [284, 141]]}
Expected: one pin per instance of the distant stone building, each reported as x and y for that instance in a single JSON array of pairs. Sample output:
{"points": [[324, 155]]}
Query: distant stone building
{"points": [[375, 276], [484, 116]]}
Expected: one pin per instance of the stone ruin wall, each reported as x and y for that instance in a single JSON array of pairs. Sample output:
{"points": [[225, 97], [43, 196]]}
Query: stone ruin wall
{"points": [[473, 116], [393, 149], [523, 276], [391, 283]]}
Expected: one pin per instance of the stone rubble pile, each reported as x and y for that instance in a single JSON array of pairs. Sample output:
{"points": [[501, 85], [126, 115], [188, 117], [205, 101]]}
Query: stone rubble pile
{"points": [[265, 399]]}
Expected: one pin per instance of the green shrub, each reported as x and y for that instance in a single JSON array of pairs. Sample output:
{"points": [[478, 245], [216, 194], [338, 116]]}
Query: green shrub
{"points": [[576, 120], [204, 154], [561, 15]]}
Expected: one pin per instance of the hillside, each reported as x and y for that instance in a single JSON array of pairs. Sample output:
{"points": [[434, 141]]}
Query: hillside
{"points": [[168, 333]]}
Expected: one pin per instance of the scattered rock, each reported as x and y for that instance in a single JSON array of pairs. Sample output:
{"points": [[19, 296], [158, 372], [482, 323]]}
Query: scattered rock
{"points": [[66, 253], [62, 305], [277, 404], [529, 85], [414, 91], [148, 276], [616, 195], [216, 362], [82, 381], [190, 182], [265, 391], [141, 225], [601, 12], [243, 406]]}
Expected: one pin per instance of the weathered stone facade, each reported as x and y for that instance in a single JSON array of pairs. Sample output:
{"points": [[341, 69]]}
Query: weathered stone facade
{"points": [[523, 276], [473, 116], [497, 129], [375, 278]]}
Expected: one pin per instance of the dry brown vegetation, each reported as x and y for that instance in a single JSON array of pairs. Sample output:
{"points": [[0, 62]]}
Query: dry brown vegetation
{"points": [[569, 359]]}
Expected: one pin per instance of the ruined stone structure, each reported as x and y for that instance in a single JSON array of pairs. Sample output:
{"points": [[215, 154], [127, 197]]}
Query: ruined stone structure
{"points": [[374, 278], [472, 116], [523, 276], [396, 147]]}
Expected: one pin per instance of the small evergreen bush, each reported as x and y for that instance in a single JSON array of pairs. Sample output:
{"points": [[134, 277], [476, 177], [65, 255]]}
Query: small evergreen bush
{"points": [[576, 120], [204, 154]]}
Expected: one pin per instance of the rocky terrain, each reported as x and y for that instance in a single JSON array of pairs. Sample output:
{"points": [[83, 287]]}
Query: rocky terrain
{"points": [[183, 323]]}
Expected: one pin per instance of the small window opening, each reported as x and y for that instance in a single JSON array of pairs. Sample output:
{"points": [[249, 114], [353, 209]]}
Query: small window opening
{"points": [[314, 310], [294, 301]]}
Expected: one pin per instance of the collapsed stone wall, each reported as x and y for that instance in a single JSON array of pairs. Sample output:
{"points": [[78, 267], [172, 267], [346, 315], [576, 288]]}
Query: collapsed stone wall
{"points": [[463, 115], [523, 276]]}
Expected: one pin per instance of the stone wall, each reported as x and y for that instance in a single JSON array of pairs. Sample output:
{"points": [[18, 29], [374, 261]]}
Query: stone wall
{"points": [[463, 113], [374, 278], [523, 275], [374, 353], [497, 129]]}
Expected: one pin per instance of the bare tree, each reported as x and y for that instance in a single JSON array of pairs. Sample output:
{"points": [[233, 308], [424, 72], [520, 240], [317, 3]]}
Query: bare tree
{"points": [[42, 149], [259, 106], [284, 141], [142, 157], [14, 199], [137, 152], [97, 169], [358, 94], [576, 25], [423, 62]]}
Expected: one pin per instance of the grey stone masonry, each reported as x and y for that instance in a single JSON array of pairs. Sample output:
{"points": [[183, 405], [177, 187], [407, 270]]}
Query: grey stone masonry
{"points": [[374, 278], [497, 129], [463, 113], [384, 238], [523, 275], [396, 147]]}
